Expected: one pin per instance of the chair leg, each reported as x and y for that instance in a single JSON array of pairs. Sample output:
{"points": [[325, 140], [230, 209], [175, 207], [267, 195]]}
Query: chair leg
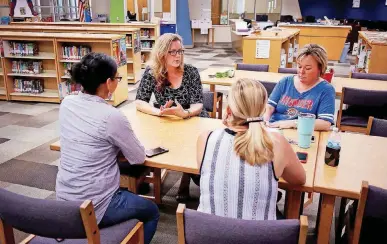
{"points": [[220, 108]]}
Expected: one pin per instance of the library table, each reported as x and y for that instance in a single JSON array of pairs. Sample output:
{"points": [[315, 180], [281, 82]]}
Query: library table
{"points": [[362, 157], [180, 137]]}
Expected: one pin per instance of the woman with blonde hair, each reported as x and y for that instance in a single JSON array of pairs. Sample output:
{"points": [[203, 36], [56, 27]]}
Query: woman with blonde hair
{"points": [[177, 88], [306, 92], [240, 165]]}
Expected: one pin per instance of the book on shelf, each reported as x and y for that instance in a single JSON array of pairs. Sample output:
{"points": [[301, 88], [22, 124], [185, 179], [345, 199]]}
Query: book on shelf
{"points": [[147, 44], [129, 40], [68, 88], [73, 52], [145, 33], [23, 48], [34, 86], [67, 68], [119, 51], [27, 67]]}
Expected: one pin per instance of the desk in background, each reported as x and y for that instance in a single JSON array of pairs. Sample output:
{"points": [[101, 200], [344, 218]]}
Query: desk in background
{"points": [[210, 35], [331, 37]]}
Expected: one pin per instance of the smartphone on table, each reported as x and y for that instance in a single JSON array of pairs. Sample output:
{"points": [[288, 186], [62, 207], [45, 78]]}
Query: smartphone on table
{"points": [[155, 151], [303, 157]]}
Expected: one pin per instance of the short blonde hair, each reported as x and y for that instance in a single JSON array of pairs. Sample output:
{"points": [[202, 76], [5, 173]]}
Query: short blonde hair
{"points": [[158, 62], [247, 99], [318, 53]]}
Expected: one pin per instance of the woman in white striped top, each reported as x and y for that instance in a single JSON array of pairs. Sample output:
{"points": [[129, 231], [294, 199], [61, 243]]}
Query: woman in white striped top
{"points": [[240, 165]]}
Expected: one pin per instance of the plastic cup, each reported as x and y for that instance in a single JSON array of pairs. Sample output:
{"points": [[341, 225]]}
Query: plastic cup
{"points": [[305, 129]]}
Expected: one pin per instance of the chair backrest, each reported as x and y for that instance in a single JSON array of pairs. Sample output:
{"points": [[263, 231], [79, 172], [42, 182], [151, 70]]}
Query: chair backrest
{"points": [[371, 216], [253, 67], [269, 86], [367, 98], [47, 218], [200, 228], [208, 100], [377, 127], [368, 76], [287, 70]]}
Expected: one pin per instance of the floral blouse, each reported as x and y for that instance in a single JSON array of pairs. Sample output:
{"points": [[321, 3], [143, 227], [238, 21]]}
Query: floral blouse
{"points": [[189, 92]]}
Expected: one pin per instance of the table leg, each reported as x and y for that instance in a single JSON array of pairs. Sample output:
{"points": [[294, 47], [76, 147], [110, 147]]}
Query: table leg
{"points": [[208, 37], [212, 89], [193, 37], [213, 37], [157, 185], [293, 204], [325, 218]]}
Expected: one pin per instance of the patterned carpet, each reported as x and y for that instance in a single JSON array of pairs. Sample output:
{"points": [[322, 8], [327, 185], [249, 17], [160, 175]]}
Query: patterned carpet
{"points": [[28, 167]]}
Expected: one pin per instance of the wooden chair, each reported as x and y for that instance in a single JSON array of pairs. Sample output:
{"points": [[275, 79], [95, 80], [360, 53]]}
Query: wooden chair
{"points": [[362, 104], [287, 70], [48, 220], [377, 127], [252, 67], [368, 76], [370, 223], [197, 227]]}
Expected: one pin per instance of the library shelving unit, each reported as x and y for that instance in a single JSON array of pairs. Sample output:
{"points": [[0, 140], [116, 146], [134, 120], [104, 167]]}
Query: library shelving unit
{"points": [[71, 48], [132, 37], [280, 46], [3, 90], [149, 31], [21, 53], [54, 53], [372, 52]]}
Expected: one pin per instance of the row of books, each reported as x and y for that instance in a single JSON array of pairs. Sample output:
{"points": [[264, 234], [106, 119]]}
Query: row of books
{"points": [[119, 51], [68, 88], [145, 33], [28, 86], [27, 67], [67, 68], [73, 52], [147, 44], [23, 48]]}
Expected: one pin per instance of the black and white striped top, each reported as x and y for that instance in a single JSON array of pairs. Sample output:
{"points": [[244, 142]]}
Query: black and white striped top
{"points": [[230, 187]]}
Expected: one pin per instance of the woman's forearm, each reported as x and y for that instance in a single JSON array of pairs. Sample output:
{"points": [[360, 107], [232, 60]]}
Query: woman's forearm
{"points": [[146, 108], [195, 109], [322, 125], [269, 112]]}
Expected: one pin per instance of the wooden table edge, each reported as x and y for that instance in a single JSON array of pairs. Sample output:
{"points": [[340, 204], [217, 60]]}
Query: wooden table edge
{"points": [[336, 193]]}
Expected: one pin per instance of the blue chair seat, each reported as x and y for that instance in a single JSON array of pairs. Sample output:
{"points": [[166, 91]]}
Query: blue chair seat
{"points": [[357, 121], [110, 235]]}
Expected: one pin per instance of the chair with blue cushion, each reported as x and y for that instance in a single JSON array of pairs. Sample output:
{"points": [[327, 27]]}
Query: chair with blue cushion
{"points": [[377, 127], [208, 103], [196, 227], [252, 67], [269, 86], [287, 70], [369, 224], [369, 76], [65, 222], [361, 105]]}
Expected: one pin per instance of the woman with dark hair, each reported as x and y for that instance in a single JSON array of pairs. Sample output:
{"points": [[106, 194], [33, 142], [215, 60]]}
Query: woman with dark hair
{"points": [[177, 89], [92, 132]]}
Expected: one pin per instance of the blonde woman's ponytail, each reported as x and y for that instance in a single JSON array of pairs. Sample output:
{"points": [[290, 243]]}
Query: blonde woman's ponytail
{"points": [[247, 102]]}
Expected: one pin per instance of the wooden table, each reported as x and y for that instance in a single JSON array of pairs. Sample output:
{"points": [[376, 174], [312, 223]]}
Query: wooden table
{"points": [[362, 157], [180, 137], [337, 82], [211, 31]]}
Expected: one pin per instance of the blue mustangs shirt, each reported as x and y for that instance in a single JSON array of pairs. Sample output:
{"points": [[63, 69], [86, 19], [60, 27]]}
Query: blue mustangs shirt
{"points": [[288, 102]]}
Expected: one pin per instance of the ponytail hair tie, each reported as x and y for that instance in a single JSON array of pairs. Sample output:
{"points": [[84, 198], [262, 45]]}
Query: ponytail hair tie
{"points": [[254, 120]]}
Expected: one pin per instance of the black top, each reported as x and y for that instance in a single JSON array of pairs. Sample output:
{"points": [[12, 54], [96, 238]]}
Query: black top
{"points": [[189, 92]]}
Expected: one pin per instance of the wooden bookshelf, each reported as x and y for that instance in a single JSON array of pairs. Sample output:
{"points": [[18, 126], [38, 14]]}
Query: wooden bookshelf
{"points": [[152, 27], [50, 54], [281, 53], [132, 34], [373, 46], [3, 90]]}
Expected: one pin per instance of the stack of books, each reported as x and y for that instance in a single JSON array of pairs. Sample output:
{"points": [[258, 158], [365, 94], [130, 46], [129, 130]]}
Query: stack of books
{"points": [[28, 86], [27, 67]]}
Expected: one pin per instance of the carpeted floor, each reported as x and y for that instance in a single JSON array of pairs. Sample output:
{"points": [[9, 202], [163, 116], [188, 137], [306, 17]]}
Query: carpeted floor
{"points": [[28, 167]]}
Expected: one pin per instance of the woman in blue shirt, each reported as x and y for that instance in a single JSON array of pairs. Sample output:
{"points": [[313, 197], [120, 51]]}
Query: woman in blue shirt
{"points": [[306, 92]]}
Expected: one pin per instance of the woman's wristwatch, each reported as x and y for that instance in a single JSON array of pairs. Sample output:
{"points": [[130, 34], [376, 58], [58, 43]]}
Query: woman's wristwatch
{"points": [[189, 113]]}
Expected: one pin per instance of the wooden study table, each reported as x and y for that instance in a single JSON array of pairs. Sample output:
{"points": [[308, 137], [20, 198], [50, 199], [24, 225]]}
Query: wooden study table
{"points": [[362, 157], [180, 137], [211, 33], [337, 82]]}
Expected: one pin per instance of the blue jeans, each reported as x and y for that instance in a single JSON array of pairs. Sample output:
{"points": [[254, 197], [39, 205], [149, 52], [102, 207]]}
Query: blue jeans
{"points": [[125, 206]]}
